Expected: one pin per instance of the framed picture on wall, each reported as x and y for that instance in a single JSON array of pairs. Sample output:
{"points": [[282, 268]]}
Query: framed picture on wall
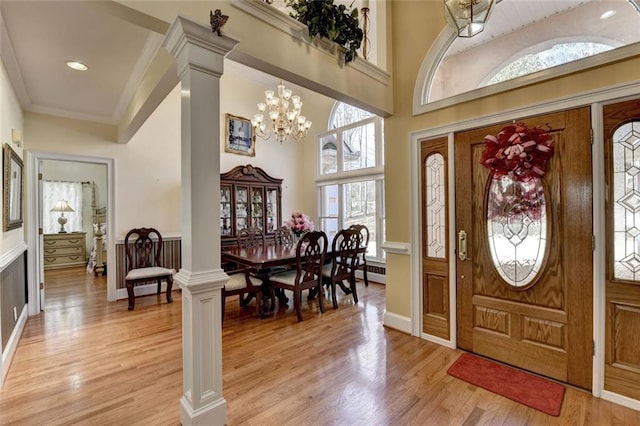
{"points": [[12, 188], [239, 136]]}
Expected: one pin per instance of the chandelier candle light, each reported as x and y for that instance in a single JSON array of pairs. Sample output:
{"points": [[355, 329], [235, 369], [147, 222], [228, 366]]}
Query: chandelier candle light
{"points": [[285, 122], [62, 206]]}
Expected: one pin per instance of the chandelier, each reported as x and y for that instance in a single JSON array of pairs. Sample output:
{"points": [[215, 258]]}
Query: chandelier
{"points": [[285, 122], [468, 17]]}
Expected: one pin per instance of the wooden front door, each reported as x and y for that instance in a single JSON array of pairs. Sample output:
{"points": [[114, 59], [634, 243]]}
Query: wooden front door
{"points": [[545, 325], [622, 323]]}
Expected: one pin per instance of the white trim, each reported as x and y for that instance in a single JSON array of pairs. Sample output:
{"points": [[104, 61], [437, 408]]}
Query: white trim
{"points": [[396, 248], [438, 340], [599, 262], [415, 211], [604, 95], [453, 272], [426, 72], [12, 344], [149, 52], [33, 206], [427, 69], [397, 322], [620, 400], [7, 258]]}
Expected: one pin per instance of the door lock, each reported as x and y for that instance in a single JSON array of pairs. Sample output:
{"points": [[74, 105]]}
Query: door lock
{"points": [[462, 245]]}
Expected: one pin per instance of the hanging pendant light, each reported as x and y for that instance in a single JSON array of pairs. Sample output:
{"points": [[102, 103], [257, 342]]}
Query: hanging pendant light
{"points": [[284, 122], [468, 17]]}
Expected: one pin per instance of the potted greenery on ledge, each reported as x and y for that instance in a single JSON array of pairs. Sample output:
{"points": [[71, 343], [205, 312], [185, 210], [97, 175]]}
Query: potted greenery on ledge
{"points": [[331, 21]]}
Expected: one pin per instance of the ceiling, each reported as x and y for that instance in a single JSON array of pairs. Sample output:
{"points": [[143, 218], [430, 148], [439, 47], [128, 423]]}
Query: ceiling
{"points": [[41, 36]]}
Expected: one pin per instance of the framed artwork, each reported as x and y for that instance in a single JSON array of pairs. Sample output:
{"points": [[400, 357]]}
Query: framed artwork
{"points": [[12, 184], [239, 136]]}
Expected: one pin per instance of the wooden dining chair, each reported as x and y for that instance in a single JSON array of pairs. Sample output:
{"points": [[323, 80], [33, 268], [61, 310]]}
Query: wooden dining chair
{"points": [[250, 237], [344, 251], [284, 236], [242, 284], [143, 248], [362, 251], [310, 254]]}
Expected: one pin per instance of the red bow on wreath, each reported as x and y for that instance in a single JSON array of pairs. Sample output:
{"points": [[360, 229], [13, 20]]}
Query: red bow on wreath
{"points": [[518, 151]]}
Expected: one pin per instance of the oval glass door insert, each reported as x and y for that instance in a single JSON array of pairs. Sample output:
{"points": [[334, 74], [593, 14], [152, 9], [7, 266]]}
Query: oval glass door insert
{"points": [[516, 228]]}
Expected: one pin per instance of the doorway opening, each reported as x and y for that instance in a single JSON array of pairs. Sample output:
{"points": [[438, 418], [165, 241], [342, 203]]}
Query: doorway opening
{"points": [[69, 247]]}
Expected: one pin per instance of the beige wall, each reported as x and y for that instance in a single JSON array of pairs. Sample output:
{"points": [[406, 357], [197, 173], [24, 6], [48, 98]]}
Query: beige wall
{"points": [[305, 65], [426, 20]]}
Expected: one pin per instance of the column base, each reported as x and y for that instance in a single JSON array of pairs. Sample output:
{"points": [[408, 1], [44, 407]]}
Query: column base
{"points": [[213, 414]]}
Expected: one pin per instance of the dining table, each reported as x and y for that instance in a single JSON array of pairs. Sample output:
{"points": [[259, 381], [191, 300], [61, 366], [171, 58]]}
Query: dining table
{"points": [[266, 260]]}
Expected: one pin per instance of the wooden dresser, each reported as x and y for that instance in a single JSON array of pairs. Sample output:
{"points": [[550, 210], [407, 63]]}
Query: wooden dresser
{"points": [[64, 250]]}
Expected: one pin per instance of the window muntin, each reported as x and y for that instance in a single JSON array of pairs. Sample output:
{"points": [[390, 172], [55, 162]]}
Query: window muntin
{"points": [[351, 179], [626, 195], [435, 205], [517, 229]]}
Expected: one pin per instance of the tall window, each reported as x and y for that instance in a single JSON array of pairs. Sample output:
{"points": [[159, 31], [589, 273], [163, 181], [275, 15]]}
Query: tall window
{"points": [[351, 177]]}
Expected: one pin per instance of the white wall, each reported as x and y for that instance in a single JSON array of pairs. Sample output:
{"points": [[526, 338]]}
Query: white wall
{"points": [[295, 162], [10, 118], [147, 169], [73, 171]]}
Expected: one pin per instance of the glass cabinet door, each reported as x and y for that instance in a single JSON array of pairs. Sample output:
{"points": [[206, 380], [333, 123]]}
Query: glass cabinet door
{"points": [[272, 209], [225, 210], [242, 207], [257, 208]]}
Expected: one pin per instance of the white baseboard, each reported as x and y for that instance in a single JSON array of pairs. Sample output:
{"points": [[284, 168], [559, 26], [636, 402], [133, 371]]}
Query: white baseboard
{"points": [[634, 404], [397, 322], [12, 343]]}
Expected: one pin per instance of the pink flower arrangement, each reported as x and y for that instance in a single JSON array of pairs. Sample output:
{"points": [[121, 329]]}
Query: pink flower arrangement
{"points": [[299, 223], [518, 151]]}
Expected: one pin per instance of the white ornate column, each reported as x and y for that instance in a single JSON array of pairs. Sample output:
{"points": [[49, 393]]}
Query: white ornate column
{"points": [[200, 54]]}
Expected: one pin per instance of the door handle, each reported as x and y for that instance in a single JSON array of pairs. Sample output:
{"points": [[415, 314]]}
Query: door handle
{"points": [[462, 245]]}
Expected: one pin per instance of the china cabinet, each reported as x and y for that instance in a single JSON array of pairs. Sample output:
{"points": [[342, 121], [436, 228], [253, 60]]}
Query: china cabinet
{"points": [[249, 197]]}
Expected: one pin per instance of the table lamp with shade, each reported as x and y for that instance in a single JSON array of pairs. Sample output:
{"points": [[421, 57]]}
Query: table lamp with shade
{"points": [[62, 206]]}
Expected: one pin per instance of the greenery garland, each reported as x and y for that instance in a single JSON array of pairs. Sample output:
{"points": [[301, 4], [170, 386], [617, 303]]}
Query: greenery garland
{"points": [[331, 21]]}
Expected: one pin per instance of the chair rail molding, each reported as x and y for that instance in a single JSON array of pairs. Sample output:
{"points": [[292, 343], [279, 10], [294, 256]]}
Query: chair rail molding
{"points": [[11, 255], [396, 247]]}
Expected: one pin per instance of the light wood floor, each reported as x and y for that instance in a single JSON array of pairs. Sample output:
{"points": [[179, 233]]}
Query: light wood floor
{"points": [[86, 361]]}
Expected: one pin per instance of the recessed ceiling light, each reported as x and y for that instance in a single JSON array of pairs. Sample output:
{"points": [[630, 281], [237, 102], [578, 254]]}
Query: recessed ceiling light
{"points": [[608, 14], [78, 66]]}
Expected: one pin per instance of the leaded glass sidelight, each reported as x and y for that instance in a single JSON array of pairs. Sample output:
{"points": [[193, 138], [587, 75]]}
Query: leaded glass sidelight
{"points": [[626, 194], [516, 228], [435, 205]]}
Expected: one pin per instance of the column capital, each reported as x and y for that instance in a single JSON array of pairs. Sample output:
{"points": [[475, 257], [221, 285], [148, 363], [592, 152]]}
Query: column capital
{"points": [[191, 43], [197, 282]]}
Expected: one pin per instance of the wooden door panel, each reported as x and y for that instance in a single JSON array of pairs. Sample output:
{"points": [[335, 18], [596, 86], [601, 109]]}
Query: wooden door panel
{"points": [[622, 296], [436, 319], [547, 327]]}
